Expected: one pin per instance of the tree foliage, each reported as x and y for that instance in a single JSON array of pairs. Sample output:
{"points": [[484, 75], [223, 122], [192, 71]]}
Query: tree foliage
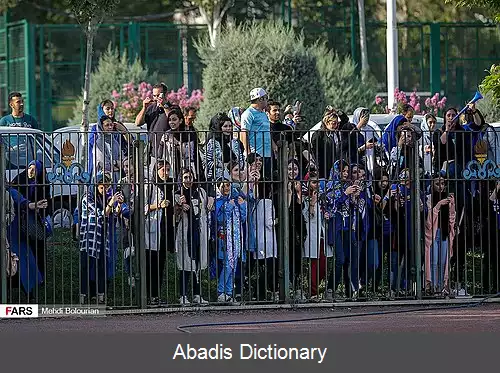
{"points": [[264, 55], [343, 87], [112, 72], [491, 84], [491, 6]]}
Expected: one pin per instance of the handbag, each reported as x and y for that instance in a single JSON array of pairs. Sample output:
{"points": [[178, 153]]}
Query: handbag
{"points": [[11, 261], [34, 226]]}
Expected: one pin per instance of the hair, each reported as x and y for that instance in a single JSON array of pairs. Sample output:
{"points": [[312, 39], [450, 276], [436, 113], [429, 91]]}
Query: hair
{"points": [[12, 95], [252, 158], [218, 121], [439, 175], [161, 86], [232, 164], [379, 173], [272, 103], [105, 102], [406, 108], [429, 115], [313, 175], [188, 109], [451, 108], [177, 111]]}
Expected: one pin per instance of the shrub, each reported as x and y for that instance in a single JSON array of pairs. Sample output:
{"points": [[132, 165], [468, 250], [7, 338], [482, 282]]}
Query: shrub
{"points": [[343, 87], [489, 108], [112, 72], [434, 104], [264, 55], [129, 100]]}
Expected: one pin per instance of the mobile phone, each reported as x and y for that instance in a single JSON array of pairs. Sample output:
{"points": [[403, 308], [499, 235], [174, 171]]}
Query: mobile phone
{"points": [[394, 187], [296, 107], [371, 140]]}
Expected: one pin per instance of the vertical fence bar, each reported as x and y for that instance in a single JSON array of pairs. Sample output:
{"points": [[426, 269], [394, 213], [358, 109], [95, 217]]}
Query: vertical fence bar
{"points": [[417, 232], [283, 222], [139, 218], [3, 235]]}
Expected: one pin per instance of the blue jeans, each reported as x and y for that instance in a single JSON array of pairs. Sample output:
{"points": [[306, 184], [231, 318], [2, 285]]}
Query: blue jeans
{"points": [[439, 256], [346, 252], [226, 278], [371, 261]]}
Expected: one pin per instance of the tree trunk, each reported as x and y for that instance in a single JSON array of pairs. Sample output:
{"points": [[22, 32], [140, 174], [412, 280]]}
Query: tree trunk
{"points": [[90, 33], [362, 39]]}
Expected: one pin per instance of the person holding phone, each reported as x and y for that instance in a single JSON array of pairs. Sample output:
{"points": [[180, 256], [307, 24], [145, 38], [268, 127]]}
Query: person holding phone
{"points": [[153, 114], [98, 240], [366, 138], [439, 236]]}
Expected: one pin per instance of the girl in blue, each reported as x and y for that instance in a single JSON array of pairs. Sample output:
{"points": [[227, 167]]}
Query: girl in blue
{"points": [[343, 200], [230, 212]]}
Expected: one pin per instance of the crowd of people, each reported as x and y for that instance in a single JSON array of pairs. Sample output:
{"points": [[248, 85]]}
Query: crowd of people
{"points": [[351, 209]]}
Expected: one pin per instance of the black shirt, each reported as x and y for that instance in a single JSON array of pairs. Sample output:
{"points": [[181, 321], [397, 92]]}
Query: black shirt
{"points": [[156, 124]]}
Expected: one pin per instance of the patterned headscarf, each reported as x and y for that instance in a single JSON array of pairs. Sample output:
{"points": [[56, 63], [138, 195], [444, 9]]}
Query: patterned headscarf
{"points": [[235, 115]]}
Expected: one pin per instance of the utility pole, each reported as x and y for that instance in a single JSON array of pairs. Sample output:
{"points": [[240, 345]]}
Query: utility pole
{"points": [[392, 52]]}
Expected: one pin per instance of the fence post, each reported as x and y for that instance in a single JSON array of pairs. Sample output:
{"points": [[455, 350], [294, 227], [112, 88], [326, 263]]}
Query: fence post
{"points": [[435, 58], [139, 217], [416, 221], [283, 221], [3, 228]]}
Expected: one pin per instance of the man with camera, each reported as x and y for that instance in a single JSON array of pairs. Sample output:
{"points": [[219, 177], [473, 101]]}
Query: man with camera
{"points": [[154, 115]]}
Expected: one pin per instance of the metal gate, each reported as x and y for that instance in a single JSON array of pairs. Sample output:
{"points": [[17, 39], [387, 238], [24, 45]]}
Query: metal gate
{"points": [[16, 63]]}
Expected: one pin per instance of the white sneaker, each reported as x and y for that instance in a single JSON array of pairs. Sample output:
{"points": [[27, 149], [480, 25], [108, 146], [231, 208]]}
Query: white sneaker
{"points": [[329, 295], [184, 301], [199, 300], [223, 298]]}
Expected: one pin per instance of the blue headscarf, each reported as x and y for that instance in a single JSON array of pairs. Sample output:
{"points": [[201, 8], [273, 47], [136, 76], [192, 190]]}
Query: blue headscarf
{"points": [[389, 135], [32, 183]]}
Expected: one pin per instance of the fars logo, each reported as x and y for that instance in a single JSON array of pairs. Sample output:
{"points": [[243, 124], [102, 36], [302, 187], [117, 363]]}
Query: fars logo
{"points": [[18, 311]]}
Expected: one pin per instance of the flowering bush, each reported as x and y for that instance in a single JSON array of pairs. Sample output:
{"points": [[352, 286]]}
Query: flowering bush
{"points": [[128, 102], [433, 104]]}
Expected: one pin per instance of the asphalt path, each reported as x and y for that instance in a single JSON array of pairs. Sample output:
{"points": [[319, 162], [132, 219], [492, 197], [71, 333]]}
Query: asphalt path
{"points": [[483, 318]]}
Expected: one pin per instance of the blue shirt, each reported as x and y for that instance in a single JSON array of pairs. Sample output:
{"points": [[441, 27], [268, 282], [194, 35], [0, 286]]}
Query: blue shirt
{"points": [[26, 121], [258, 127]]}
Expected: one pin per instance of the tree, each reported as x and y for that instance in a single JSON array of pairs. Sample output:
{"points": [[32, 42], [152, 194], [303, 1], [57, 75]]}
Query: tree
{"points": [[213, 12], [491, 6], [89, 14], [365, 68]]}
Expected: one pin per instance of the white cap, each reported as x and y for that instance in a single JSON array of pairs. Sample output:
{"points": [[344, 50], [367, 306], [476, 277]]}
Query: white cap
{"points": [[257, 93]]}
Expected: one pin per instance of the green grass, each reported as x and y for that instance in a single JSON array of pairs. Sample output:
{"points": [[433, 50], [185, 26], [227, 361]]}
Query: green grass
{"points": [[62, 282]]}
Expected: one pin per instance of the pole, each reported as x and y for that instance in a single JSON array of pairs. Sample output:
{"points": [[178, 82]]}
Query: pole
{"points": [[392, 52], [3, 228], [416, 221], [283, 221], [139, 237]]}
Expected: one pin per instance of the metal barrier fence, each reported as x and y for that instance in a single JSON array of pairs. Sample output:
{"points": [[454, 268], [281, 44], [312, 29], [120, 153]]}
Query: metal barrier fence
{"points": [[181, 218]]}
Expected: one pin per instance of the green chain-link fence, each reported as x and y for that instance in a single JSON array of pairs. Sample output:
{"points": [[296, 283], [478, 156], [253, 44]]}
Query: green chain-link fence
{"points": [[47, 62]]}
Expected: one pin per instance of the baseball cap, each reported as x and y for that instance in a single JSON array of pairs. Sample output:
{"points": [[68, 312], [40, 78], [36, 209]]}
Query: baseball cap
{"points": [[257, 93]]}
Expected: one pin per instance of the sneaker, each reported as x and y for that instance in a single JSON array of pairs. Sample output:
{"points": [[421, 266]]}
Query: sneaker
{"points": [[184, 301], [154, 301], [339, 296], [131, 281], [199, 300], [83, 299], [462, 293], [100, 299], [299, 296], [275, 296], [223, 298], [329, 295]]}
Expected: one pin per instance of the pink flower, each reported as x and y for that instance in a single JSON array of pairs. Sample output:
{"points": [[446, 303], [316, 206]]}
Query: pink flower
{"points": [[434, 101], [417, 107], [428, 102], [378, 100]]}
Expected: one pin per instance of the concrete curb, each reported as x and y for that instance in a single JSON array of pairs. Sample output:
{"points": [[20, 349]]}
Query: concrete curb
{"points": [[274, 307]]}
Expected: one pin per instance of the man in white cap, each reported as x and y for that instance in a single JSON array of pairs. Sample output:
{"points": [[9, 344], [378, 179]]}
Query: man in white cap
{"points": [[256, 130]]}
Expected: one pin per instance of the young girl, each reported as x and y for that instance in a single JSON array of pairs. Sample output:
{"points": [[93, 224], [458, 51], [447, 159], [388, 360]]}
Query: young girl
{"points": [[159, 228], [230, 212], [98, 246], [314, 247], [297, 227], [344, 214], [267, 246], [439, 236], [192, 235]]}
